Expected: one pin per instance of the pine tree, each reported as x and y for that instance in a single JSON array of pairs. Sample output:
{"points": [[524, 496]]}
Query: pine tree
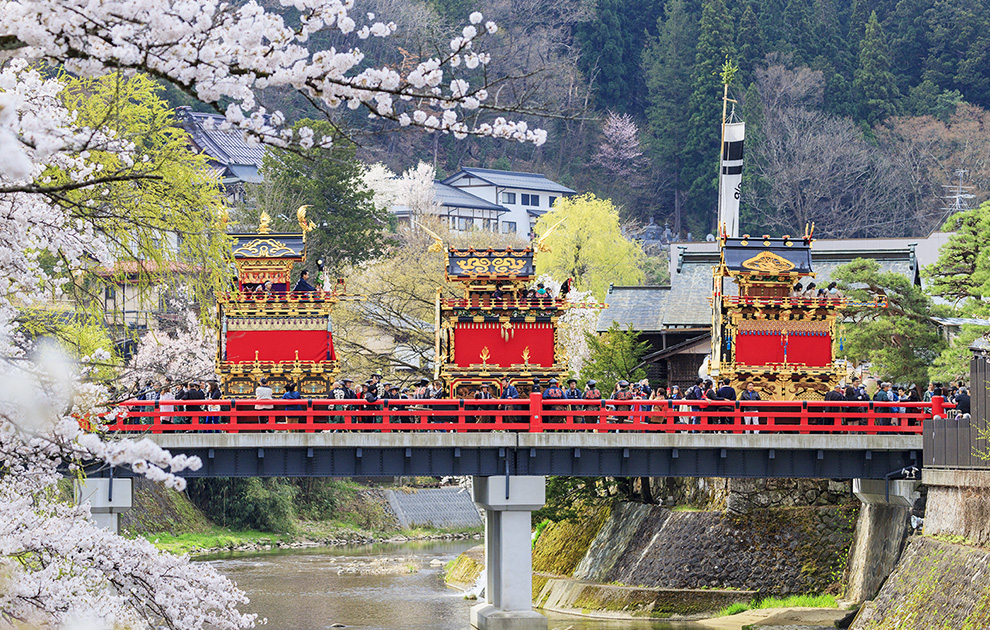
{"points": [[667, 64], [701, 152], [875, 85], [750, 46]]}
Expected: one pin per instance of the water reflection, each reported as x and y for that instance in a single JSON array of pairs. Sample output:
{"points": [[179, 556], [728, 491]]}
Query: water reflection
{"points": [[316, 588]]}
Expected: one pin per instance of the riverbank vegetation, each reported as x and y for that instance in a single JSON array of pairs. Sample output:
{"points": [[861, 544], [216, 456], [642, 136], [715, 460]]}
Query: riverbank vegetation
{"points": [[793, 601], [228, 514]]}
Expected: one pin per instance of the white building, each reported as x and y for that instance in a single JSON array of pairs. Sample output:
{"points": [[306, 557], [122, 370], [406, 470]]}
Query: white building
{"points": [[524, 196]]}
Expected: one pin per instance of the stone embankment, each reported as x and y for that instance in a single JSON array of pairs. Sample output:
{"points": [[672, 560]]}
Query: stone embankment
{"points": [[936, 584], [773, 551], [635, 560]]}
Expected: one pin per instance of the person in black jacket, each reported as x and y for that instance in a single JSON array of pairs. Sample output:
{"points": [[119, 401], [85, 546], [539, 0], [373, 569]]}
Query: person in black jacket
{"points": [[962, 401], [833, 395]]}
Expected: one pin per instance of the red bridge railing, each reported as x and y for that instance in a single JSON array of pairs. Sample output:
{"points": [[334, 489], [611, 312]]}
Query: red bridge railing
{"points": [[533, 415]]}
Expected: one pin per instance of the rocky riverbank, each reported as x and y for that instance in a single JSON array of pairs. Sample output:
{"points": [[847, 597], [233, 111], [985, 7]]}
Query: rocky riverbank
{"points": [[273, 543]]}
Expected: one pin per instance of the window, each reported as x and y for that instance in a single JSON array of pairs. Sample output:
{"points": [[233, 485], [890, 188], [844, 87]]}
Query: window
{"points": [[531, 200], [465, 223], [508, 227], [508, 197], [553, 199]]}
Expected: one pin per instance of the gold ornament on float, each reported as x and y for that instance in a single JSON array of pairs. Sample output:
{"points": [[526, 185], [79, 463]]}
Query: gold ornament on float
{"points": [[768, 262]]}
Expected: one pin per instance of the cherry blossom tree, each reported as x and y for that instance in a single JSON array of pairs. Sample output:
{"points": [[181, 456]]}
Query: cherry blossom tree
{"points": [[57, 568], [183, 351]]}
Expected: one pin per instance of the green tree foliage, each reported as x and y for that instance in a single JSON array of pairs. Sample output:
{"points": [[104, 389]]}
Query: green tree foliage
{"points": [[750, 45], [611, 45], [246, 503], [875, 84], [958, 47], [667, 64], [349, 228], [168, 217], [613, 356], [953, 363], [899, 341], [588, 246], [799, 16], [960, 274], [701, 152]]}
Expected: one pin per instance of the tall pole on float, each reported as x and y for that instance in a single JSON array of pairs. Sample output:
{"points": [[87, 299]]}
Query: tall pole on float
{"points": [[714, 363]]}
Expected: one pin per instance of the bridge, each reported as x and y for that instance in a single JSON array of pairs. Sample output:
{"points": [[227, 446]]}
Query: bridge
{"points": [[509, 446], [535, 436]]}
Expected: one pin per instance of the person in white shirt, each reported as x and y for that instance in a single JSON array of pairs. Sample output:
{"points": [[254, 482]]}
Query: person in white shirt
{"points": [[263, 392]]}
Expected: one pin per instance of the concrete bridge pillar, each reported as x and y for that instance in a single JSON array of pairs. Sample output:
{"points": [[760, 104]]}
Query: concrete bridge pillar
{"points": [[508, 504], [107, 498], [881, 533]]}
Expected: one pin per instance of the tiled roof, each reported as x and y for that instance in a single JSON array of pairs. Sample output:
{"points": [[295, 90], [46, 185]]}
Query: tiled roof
{"points": [[512, 179], [457, 198], [960, 321], [640, 308], [226, 148], [686, 303]]}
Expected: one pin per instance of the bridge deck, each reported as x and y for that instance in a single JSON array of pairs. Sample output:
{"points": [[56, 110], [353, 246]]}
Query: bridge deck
{"points": [[324, 438], [617, 454]]}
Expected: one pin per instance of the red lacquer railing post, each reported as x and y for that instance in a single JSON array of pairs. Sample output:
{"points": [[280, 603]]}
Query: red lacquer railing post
{"points": [[156, 420], [536, 412], [938, 406], [309, 416]]}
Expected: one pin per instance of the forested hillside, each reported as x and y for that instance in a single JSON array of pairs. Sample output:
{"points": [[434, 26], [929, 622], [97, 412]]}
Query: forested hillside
{"points": [[859, 113]]}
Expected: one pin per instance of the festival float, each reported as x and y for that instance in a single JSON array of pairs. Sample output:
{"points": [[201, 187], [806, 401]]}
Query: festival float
{"points": [[493, 331], [786, 345], [266, 329]]}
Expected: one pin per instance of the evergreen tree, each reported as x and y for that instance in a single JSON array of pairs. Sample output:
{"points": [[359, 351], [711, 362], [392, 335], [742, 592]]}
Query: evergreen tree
{"points": [[349, 228], [859, 15], [667, 64], [773, 31], [604, 49], [959, 48], [799, 30], [611, 52], [875, 85], [750, 46], [701, 152], [909, 40]]}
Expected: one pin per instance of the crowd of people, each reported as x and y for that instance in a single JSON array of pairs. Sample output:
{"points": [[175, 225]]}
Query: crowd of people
{"points": [[177, 398]]}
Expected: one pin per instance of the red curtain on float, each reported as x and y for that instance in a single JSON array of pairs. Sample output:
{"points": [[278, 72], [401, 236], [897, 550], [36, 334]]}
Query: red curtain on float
{"points": [[814, 350], [811, 350], [759, 349], [470, 339], [279, 345]]}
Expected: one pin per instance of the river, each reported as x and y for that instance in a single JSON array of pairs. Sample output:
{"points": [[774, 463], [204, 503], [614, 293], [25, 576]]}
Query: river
{"points": [[380, 587]]}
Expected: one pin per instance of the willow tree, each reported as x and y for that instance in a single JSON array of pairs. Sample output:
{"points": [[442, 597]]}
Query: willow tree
{"points": [[587, 245]]}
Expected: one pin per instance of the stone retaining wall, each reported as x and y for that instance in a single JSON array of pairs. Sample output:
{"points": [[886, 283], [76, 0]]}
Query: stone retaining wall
{"points": [[935, 585], [779, 551]]}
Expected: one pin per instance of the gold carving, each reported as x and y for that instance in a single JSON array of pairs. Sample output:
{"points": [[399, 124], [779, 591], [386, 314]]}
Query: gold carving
{"points": [[277, 323], [525, 355], [485, 355], [264, 248], [303, 223], [497, 266], [264, 225], [768, 262]]}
